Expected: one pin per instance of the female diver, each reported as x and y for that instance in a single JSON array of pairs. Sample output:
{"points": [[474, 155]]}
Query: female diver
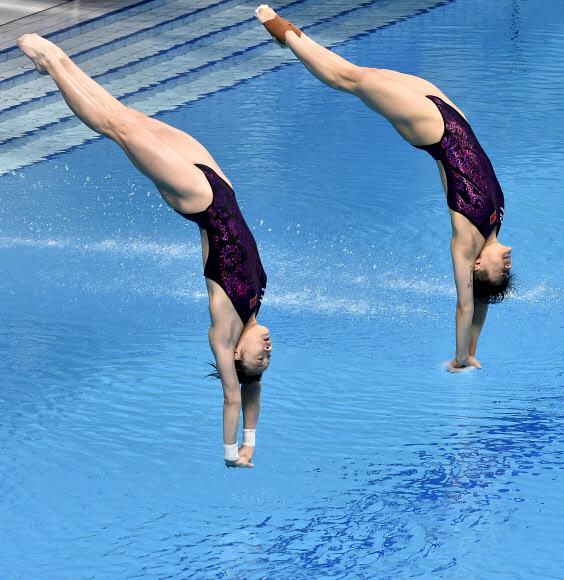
{"points": [[191, 182], [427, 119]]}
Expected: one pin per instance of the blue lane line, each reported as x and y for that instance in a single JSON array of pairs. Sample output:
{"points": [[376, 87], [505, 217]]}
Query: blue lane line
{"points": [[108, 46], [198, 71], [160, 56], [33, 14], [108, 16], [193, 73]]}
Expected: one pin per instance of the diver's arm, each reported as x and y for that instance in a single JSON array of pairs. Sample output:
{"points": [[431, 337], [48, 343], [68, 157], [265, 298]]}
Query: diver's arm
{"points": [[478, 320], [223, 336], [223, 353], [463, 257], [250, 393]]}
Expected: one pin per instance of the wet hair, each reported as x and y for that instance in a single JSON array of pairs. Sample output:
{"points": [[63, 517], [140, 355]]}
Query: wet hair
{"points": [[486, 291], [244, 375]]}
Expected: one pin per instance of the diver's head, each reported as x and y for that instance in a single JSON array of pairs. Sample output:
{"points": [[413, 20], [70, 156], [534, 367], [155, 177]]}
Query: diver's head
{"points": [[252, 353], [492, 273]]}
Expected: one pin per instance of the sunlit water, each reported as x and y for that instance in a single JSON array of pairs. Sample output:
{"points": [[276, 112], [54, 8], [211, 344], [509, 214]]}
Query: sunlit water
{"points": [[372, 461]]}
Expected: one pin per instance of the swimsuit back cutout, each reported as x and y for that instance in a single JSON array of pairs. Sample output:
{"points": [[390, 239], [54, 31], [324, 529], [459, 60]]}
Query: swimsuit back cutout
{"points": [[233, 260], [472, 186]]}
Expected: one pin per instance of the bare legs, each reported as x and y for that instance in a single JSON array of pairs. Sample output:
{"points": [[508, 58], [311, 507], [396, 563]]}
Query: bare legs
{"points": [[398, 97], [162, 153]]}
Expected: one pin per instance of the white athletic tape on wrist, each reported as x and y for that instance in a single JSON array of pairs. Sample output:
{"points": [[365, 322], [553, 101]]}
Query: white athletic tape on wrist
{"points": [[231, 451], [249, 437]]}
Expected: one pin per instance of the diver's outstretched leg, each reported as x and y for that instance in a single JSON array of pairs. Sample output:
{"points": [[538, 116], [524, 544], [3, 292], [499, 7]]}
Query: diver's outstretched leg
{"points": [[164, 154], [400, 98]]}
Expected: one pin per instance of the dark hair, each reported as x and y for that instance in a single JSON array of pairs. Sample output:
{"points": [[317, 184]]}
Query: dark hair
{"points": [[244, 375], [486, 291]]}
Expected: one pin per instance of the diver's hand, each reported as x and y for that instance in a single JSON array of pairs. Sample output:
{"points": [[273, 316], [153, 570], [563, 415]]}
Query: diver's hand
{"points": [[246, 452], [474, 362], [457, 364], [241, 462]]}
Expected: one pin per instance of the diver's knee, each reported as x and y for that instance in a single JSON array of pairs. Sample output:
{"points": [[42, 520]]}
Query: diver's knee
{"points": [[348, 77], [120, 125]]}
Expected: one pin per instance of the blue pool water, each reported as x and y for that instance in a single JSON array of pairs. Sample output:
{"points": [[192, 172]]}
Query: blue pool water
{"points": [[372, 461]]}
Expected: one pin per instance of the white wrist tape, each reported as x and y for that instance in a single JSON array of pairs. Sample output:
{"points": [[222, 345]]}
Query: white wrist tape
{"points": [[231, 451], [249, 437]]}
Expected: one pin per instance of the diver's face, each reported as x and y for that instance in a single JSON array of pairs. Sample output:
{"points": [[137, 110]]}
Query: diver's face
{"points": [[496, 259], [254, 349]]}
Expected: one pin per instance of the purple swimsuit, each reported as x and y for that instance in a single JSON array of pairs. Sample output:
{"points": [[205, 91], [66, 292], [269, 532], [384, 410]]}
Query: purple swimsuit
{"points": [[472, 186], [233, 260]]}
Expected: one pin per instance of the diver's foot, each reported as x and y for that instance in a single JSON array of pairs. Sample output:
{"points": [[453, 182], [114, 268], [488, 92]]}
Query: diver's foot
{"points": [[264, 13], [40, 50], [277, 27]]}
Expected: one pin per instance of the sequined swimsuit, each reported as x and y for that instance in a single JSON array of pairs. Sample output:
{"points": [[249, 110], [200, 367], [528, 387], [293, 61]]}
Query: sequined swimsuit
{"points": [[233, 260], [472, 186]]}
